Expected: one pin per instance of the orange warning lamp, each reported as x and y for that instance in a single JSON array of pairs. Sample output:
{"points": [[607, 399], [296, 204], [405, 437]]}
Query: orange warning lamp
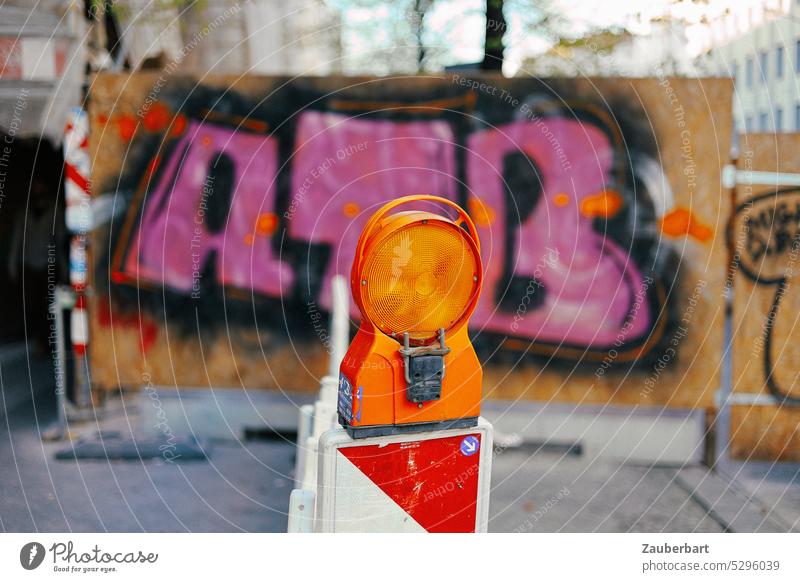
{"points": [[411, 367]]}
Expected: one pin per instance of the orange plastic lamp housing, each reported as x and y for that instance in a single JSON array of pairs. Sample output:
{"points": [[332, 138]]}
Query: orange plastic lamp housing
{"points": [[419, 278], [417, 273]]}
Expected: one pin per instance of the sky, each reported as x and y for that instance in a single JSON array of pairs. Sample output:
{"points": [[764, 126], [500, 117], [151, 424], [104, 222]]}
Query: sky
{"points": [[460, 23]]}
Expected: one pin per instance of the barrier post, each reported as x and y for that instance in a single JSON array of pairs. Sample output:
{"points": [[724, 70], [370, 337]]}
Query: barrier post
{"points": [[412, 453], [79, 223]]}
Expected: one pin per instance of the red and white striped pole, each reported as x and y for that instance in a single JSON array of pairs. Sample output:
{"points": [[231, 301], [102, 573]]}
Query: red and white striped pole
{"points": [[77, 168], [79, 223]]}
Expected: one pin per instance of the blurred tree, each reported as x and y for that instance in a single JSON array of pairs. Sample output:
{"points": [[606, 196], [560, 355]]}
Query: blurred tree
{"points": [[493, 47], [381, 36], [417, 19], [386, 37], [407, 36]]}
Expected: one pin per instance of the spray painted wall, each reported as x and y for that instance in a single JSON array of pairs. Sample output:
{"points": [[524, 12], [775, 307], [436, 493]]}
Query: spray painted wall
{"points": [[765, 248], [240, 204]]}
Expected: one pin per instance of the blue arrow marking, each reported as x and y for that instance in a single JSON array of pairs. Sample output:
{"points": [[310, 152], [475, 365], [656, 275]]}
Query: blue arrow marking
{"points": [[470, 445]]}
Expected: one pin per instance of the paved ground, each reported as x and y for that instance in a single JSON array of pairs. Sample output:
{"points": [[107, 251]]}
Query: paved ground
{"points": [[549, 492], [245, 485]]}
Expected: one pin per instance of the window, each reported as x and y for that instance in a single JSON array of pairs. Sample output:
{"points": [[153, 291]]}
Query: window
{"points": [[749, 70], [797, 117], [763, 121], [763, 62], [748, 122], [779, 62], [778, 119], [735, 72], [797, 56]]}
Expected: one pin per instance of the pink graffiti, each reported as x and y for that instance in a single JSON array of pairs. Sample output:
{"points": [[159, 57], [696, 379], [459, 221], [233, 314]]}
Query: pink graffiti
{"points": [[574, 285], [173, 242], [535, 189], [346, 168]]}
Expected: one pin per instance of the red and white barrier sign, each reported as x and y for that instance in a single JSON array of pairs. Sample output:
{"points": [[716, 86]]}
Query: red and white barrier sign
{"points": [[77, 169], [79, 326], [426, 482], [79, 221]]}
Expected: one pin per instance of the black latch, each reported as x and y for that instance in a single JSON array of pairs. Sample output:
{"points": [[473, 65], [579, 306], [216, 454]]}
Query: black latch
{"points": [[425, 378], [424, 369]]}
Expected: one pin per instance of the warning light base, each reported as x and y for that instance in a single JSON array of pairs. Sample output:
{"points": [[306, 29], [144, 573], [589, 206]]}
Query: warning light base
{"points": [[362, 432], [437, 482]]}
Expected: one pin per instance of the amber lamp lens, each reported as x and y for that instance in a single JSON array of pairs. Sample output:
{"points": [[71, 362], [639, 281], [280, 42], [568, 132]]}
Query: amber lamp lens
{"points": [[420, 278]]}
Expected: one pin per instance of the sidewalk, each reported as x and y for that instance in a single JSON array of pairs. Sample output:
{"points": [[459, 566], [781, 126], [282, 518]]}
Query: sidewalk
{"points": [[549, 492], [245, 486]]}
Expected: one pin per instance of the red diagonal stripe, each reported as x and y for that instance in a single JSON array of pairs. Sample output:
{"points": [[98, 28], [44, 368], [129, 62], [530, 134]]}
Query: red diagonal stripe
{"points": [[432, 480], [73, 174]]}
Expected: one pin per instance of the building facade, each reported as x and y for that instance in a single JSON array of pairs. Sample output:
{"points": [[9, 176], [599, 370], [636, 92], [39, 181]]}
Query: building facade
{"points": [[759, 46]]}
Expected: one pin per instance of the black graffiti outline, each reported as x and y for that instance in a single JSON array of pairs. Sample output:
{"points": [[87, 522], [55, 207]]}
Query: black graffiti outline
{"points": [[634, 348], [774, 388]]}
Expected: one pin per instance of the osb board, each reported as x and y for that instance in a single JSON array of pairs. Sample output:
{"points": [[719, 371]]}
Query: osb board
{"points": [[765, 433], [681, 112], [197, 361], [690, 122], [764, 222], [131, 351]]}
